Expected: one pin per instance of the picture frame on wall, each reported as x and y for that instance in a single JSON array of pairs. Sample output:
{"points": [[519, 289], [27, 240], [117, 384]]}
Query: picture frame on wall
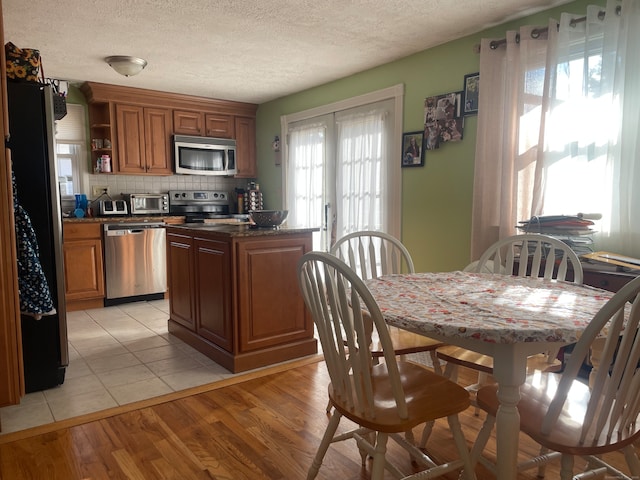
{"points": [[412, 151], [443, 120], [471, 93]]}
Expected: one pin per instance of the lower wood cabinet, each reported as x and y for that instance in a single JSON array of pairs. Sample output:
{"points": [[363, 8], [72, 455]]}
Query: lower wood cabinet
{"points": [[83, 265], [180, 262], [270, 308], [214, 313], [236, 298]]}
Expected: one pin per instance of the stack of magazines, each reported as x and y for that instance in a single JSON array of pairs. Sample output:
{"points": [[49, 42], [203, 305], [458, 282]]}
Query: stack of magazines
{"points": [[575, 230]]}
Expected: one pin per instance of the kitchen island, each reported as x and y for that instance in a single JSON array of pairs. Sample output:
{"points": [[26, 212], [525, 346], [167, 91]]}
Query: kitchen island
{"points": [[234, 296]]}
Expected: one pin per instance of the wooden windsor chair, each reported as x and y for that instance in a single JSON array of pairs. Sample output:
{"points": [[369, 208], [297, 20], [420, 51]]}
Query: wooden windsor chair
{"points": [[384, 399]]}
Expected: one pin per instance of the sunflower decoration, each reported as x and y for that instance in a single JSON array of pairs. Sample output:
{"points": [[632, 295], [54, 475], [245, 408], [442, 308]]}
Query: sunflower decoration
{"points": [[22, 63]]}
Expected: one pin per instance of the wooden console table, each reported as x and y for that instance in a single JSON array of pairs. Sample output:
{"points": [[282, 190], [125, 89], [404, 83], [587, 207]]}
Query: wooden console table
{"points": [[605, 276]]}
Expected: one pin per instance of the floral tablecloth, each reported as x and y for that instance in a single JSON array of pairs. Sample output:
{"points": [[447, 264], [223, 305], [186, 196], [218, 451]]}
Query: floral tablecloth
{"points": [[489, 307]]}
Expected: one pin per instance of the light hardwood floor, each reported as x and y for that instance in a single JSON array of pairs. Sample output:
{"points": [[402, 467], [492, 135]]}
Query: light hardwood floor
{"points": [[264, 425]]}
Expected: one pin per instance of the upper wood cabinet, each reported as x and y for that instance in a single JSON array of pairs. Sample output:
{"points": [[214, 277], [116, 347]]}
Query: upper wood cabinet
{"points": [[219, 126], [202, 124], [143, 140], [188, 123], [145, 117], [100, 128], [246, 147], [157, 134]]}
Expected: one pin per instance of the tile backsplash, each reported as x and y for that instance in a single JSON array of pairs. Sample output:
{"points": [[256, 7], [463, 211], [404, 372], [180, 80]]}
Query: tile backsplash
{"points": [[119, 184]]}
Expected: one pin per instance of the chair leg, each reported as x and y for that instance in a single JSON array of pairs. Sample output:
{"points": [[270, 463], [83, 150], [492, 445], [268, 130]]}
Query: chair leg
{"points": [[468, 472], [426, 433], [451, 371], [566, 467], [377, 469], [543, 466], [631, 457], [324, 445], [408, 435], [482, 439], [436, 362]]}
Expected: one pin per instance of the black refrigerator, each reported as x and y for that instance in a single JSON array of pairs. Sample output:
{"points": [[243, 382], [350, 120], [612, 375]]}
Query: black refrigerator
{"points": [[32, 146]]}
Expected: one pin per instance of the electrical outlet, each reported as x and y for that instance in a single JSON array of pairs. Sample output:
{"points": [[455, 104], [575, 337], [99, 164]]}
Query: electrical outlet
{"points": [[97, 190]]}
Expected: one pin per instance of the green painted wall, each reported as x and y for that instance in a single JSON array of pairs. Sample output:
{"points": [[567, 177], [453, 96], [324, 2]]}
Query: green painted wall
{"points": [[436, 199]]}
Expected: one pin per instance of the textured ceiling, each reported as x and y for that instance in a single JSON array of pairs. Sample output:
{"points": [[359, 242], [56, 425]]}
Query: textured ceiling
{"points": [[251, 51]]}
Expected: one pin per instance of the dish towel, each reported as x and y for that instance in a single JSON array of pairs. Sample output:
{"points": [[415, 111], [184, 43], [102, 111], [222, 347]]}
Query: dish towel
{"points": [[35, 296]]}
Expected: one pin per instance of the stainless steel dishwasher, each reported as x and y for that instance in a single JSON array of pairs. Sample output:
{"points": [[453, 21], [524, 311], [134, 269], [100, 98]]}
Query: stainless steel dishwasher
{"points": [[135, 261]]}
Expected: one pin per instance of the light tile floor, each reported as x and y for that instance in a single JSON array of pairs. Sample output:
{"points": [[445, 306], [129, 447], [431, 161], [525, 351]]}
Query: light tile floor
{"points": [[118, 355]]}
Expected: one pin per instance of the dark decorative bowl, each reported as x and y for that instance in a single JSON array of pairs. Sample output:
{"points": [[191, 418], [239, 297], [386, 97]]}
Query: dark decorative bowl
{"points": [[268, 218]]}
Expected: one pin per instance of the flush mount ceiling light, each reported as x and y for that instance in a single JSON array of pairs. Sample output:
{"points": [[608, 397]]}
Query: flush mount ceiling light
{"points": [[126, 65]]}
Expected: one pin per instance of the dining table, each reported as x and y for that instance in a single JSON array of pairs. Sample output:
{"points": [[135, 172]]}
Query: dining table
{"points": [[504, 316]]}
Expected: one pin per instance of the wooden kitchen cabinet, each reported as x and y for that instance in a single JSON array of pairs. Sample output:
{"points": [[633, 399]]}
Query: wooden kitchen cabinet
{"points": [[246, 147], [219, 126], [270, 311], [83, 265], [234, 295], [188, 122], [180, 261], [141, 123], [143, 140], [199, 272], [100, 128], [203, 124], [214, 316]]}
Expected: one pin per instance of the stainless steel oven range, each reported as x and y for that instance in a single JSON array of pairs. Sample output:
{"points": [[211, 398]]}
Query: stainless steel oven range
{"points": [[199, 205]]}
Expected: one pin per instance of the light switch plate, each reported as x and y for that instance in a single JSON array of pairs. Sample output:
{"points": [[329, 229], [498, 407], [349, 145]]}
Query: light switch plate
{"points": [[97, 190]]}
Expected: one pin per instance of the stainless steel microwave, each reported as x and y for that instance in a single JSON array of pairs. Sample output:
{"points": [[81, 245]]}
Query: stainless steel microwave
{"points": [[204, 155]]}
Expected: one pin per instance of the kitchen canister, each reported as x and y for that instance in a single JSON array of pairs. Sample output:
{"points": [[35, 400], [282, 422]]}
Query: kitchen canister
{"points": [[105, 163], [253, 198]]}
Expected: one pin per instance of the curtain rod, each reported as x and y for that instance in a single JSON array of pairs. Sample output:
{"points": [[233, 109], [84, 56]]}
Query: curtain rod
{"points": [[536, 32]]}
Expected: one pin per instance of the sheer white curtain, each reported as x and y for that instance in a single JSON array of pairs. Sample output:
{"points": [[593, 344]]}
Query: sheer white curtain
{"points": [[558, 127], [339, 173], [363, 153], [306, 189]]}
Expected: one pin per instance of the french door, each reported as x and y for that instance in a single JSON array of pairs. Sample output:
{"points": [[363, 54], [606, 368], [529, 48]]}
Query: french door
{"points": [[341, 174]]}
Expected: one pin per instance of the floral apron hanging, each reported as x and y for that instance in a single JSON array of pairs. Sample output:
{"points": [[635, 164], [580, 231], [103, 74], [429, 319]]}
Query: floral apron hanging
{"points": [[35, 296]]}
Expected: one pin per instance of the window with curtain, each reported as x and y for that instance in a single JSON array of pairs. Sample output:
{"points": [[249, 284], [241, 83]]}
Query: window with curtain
{"points": [[558, 127], [70, 145], [340, 174]]}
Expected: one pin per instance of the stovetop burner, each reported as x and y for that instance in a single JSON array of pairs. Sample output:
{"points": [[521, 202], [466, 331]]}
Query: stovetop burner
{"points": [[199, 205]]}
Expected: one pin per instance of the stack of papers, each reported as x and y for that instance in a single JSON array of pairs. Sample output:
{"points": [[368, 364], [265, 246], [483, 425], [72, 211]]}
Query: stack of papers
{"points": [[572, 230], [557, 225]]}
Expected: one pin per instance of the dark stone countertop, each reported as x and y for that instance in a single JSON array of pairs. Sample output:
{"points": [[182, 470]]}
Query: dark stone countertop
{"points": [[238, 230], [125, 218]]}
